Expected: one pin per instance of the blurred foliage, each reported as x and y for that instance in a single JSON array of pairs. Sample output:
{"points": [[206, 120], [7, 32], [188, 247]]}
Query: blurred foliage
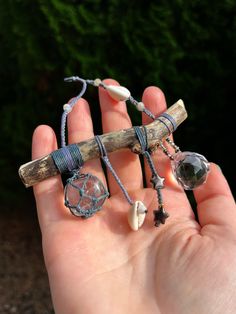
{"points": [[188, 48]]}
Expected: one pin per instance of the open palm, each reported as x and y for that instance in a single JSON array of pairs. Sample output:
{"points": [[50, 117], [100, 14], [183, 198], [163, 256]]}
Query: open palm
{"points": [[99, 265]]}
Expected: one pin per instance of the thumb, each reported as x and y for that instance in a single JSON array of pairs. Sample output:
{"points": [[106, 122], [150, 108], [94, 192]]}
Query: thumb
{"points": [[215, 203]]}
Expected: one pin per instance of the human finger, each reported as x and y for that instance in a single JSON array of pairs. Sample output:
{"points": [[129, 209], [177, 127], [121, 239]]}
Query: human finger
{"points": [[126, 164], [48, 193], [215, 203], [80, 128]]}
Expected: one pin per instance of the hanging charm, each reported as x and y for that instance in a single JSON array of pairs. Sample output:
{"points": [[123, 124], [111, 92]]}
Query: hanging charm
{"points": [[157, 181], [84, 194], [136, 215], [160, 216], [190, 169]]}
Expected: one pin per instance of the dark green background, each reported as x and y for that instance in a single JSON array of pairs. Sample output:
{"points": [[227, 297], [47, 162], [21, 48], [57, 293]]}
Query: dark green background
{"points": [[188, 48]]}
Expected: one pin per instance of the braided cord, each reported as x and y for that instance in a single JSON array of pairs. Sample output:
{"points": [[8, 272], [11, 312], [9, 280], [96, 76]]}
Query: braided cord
{"points": [[107, 162], [156, 180], [67, 158], [71, 104]]}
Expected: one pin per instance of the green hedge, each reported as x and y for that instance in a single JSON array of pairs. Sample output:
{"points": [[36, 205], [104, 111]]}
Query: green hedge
{"points": [[188, 48]]}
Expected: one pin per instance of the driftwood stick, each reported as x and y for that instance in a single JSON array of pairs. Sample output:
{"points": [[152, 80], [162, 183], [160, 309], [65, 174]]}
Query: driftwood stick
{"points": [[43, 168]]}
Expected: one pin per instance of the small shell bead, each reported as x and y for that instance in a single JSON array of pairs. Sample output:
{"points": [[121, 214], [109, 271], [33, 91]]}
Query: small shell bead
{"points": [[140, 106], [136, 215], [118, 93]]}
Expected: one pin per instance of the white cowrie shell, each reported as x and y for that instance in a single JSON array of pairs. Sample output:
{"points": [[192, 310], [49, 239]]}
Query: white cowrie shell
{"points": [[136, 215], [118, 93]]}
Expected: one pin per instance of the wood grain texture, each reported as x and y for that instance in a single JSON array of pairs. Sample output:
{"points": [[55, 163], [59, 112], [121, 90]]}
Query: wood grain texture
{"points": [[43, 168]]}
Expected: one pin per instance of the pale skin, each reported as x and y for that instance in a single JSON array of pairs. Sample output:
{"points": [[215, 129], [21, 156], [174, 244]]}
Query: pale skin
{"points": [[99, 265]]}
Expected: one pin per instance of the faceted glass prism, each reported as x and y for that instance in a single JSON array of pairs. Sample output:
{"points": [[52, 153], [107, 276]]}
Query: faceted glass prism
{"points": [[190, 169], [84, 195]]}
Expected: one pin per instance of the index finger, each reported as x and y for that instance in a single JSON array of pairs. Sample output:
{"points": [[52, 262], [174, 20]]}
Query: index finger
{"points": [[154, 100], [48, 193]]}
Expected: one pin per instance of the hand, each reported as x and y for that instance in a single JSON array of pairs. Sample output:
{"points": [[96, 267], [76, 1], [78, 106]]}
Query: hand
{"points": [[99, 265]]}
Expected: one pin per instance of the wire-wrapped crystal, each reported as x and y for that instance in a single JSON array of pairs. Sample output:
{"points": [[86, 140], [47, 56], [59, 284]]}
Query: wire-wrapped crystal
{"points": [[190, 169], [84, 194]]}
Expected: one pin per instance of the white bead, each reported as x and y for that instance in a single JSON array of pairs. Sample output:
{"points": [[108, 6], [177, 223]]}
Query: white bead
{"points": [[140, 106], [97, 82], [118, 93], [136, 215], [67, 108]]}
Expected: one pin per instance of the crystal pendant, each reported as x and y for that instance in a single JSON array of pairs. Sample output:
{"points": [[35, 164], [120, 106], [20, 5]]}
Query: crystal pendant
{"points": [[84, 194], [190, 169]]}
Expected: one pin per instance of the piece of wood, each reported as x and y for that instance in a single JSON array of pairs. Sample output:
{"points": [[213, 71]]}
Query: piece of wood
{"points": [[43, 168]]}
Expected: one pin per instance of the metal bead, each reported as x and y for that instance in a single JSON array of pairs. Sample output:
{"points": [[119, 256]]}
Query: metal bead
{"points": [[84, 195]]}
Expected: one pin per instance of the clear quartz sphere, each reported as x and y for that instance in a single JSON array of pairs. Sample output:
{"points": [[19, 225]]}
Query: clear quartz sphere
{"points": [[190, 169], [84, 195]]}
